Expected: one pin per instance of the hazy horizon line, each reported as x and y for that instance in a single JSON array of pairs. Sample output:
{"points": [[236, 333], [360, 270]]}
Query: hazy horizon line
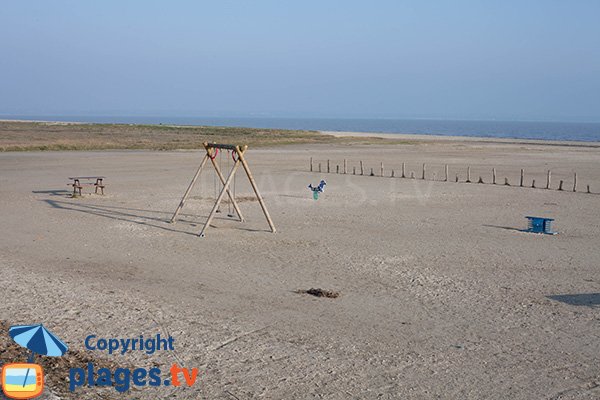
{"points": [[34, 117]]}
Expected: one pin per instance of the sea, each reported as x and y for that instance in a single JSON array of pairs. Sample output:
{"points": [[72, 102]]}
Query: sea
{"points": [[572, 131]]}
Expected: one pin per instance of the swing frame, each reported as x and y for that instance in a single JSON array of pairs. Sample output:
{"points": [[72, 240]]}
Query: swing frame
{"points": [[212, 150]]}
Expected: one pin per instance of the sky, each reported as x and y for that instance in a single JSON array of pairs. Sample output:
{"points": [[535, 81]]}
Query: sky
{"points": [[454, 59]]}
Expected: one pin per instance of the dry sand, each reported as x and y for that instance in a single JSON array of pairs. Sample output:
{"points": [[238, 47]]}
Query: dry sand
{"points": [[441, 295]]}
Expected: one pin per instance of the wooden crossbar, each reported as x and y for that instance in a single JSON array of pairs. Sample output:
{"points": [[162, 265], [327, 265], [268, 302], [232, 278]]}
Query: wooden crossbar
{"points": [[216, 206], [222, 146]]}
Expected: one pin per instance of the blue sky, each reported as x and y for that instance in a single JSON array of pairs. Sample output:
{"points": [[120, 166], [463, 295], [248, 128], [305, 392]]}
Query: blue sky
{"points": [[523, 60]]}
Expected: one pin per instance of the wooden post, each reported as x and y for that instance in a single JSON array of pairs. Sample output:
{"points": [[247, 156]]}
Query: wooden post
{"points": [[392, 174], [588, 189], [319, 167], [522, 177], [220, 198], [241, 158], [480, 180], [337, 169], [506, 182], [361, 168], [468, 174], [456, 178], [575, 182], [372, 174], [533, 184], [354, 170], [560, 185], [189, 189], [423, 176], [403, 170], [344, 166], [382, 168], [493, 176], [328, 166], [446, 171], [548, 178], [311, 165]]}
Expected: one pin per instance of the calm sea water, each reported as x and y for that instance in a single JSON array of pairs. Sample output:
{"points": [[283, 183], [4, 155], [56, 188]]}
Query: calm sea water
{"points": [[494, 129]]}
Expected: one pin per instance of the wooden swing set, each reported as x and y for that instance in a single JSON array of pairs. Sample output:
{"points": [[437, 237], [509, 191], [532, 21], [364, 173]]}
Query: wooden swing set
{"points": [[237, 154]]}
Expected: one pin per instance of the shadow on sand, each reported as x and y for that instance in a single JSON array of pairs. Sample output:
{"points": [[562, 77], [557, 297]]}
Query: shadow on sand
{"points": [[581, 299], [508, 228], [57, 192], [152, 218]]}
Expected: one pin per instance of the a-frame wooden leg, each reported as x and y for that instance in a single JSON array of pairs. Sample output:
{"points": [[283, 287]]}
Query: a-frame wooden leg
{"points": [[258, 196], [189, 189], [231, 197], [220, 198]]}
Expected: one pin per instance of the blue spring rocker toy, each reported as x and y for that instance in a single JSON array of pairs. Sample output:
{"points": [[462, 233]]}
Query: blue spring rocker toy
{"points": [[316, 190]]}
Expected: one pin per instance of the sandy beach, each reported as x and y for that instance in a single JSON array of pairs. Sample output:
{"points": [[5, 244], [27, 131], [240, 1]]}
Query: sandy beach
{"points": [[447, 138], [300, 200], [441, 293]]}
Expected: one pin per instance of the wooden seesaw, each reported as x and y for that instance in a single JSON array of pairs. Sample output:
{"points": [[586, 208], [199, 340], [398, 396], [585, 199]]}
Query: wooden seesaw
{"points": [[237, 153]]}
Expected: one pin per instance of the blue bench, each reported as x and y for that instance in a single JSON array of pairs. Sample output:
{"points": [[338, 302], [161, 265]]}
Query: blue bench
{"points": [[540, 225]]}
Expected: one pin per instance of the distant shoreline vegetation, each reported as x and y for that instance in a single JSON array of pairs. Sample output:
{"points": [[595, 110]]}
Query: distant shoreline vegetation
{"points": [[58, 136], [44, 134], [561, 131]]}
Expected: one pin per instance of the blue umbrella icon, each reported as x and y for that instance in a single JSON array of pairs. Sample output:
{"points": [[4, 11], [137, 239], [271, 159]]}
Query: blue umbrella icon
{"points": [[39, 340]]}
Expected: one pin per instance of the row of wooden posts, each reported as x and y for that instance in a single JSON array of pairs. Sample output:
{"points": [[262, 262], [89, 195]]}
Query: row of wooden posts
{"points": [[446, 177]]}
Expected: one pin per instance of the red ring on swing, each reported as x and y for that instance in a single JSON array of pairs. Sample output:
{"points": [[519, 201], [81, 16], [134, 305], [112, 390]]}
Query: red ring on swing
{"points": [[215, 153], [233, 153]]}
